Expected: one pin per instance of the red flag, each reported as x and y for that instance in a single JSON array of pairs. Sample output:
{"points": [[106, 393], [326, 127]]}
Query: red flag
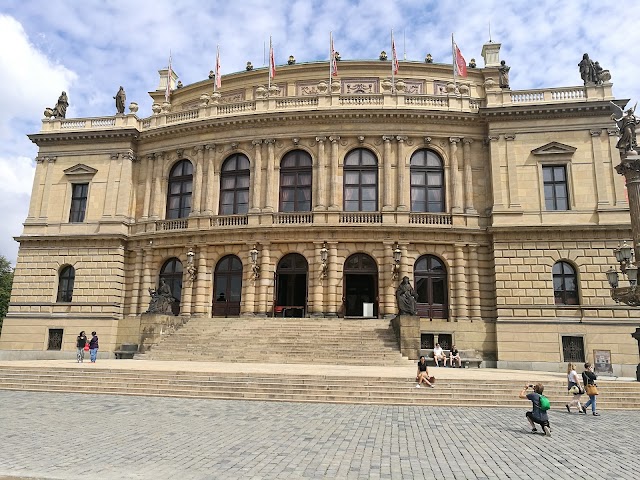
{"points": [[218, 76], [272, 61], [460, 63], [394, 56], [332, 59], [167, 92]]}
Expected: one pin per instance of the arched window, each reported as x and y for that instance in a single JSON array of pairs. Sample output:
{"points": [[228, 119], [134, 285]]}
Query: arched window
{"points": [[565, 284], [295, 182], [171, 273], [427, 182], [179, 192], [430, 277], [66, 278], [360, 181], [227, 281], [234, 185]]}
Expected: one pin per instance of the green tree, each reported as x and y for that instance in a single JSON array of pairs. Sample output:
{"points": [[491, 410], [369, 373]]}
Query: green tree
{"points": [[6, 280]]}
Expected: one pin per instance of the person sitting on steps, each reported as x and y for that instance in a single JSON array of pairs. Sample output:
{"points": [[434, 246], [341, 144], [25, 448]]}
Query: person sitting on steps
{"points": [[454, 354], [438, 354], [423, 373]]}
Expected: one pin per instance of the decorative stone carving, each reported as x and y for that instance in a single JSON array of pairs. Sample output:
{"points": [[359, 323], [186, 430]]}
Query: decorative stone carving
{"points": [[627, 127], [400, 86], [464, 89], [451, 88], [161, 300], [321, 88], [489, 83], [406, 297], [215, 98], [386, 85], [60, 110], [204, 100], [335, 86], [166, 107], [156, 108]]}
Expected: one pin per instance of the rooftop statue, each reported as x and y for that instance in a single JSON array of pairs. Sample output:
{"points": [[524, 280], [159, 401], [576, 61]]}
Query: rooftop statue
{"points": [[591, 72], [503, 71], [121, 99], [60, 110], [627, 130]]}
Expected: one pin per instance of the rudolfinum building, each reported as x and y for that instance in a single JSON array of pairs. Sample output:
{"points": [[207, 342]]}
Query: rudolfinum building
{"points": [[314, 199]]}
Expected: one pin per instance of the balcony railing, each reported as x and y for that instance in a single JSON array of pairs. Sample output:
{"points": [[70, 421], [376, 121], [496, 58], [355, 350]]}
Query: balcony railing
{"points": [[360, 217], [430, 219], [292, 218], [179, 224], [228, 221]]}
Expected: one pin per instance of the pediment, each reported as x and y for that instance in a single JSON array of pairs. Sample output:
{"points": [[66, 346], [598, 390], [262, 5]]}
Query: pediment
{"points": [[80, 169], [554, 148]]}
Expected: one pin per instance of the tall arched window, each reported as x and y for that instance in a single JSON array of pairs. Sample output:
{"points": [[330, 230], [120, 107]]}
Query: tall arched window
{"points": [[234, 185], [295, 182], [430, 277], [171, 273], [179, 192], [565, 284], [360, 181], [427, 182], [66, 279]]}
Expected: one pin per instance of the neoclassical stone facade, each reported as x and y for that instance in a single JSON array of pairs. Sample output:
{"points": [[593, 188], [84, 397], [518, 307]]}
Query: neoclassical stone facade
{"points": [[314, 199]]}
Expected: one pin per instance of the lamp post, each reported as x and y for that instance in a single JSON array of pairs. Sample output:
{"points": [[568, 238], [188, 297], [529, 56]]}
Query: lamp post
{"points": [[253, 255], [397, 256]]}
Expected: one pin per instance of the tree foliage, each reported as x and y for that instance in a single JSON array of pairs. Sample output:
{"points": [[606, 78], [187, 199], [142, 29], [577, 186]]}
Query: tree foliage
{"points": [[6, 280]]}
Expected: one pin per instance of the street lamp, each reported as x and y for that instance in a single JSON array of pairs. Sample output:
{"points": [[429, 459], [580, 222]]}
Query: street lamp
{"points": [[397, 255], [253, 255], [324, 255]]}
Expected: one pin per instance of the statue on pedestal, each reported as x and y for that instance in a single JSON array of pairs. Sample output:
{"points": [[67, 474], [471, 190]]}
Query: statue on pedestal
{"points": [[503, 71], [627, 127], [407, 298], [121, 99], [60, 110], [161, 300]]}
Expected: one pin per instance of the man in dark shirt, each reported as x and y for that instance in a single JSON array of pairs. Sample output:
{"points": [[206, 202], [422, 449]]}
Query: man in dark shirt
{"points": [[538, 415]]}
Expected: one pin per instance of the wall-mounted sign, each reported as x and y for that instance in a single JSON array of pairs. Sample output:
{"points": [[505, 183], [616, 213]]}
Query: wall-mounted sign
{"points": [[602, 362]]}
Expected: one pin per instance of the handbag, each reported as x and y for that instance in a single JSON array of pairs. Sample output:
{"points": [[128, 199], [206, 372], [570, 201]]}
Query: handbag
{"points": [[86, 347], [576, 390], [592, 389]]}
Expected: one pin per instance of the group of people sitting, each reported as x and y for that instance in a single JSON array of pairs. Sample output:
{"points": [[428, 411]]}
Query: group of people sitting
{"points": [[440, 356]]}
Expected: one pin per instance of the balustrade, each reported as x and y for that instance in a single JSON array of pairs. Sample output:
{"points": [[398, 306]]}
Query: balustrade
{"points": [[292, 218], [228, 221], [180, 224], [430, 219], [360, 217]]}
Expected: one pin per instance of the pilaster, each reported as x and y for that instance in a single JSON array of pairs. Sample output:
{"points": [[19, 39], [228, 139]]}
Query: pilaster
{"points": [[403, 174], [387, 180], [256, 177], [272, 181], [456, 201], [333, 175], [213, 180], [320, 178], [620, 199], [468, 176], [45, 200], [149, 164], [126, 186], [512, 171], [198, 174]]}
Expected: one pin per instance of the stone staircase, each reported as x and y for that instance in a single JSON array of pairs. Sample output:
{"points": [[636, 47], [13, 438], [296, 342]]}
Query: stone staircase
{"points": [[300, 388], [281, 340]]}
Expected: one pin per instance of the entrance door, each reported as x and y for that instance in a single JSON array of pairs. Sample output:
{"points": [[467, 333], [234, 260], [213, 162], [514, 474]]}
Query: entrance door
{"points": [[291, 286], [360, 286], [431, 286], [227, 290]]}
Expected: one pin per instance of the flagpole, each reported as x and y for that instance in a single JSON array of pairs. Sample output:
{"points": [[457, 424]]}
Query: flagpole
{"points": [[393, 75], [330, 59], [269, 69], [215, 80], [453, 56], [404, 45]]}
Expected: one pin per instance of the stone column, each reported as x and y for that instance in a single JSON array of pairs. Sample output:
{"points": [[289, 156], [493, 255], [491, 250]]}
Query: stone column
{"points": [[388, 307], [620, 198], [333, 174], [630, 168], [320, 179], [36, 190], [147, 186], [496, 176], [454, 177], [271, 180], [158, 174], [474, 283], [514, 192], [186, 304], [111, 193], [201, 281], [334, 299], [468, 176], [460, 286], [196, 207], [317, 282], [598, 168], [135, 284], [266, 279], [387, 181], [256, 178], [126, 187], [404, 190], [45, 199], [146, 277], [248, 306], [213, 180]]}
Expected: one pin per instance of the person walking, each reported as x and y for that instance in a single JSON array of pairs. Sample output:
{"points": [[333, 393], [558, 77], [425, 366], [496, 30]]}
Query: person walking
{"points": [[589, 382], [538, 415], [93, 347], [81, 341], [573, 386]]}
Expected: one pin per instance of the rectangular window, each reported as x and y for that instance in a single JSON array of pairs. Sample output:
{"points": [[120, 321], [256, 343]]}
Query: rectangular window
{"points": [[78, 202], [556, 196], [573, 349], [55, 339]]}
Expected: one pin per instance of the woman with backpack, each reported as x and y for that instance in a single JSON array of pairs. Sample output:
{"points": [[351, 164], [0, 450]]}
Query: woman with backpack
{"points": [[538, 415]]}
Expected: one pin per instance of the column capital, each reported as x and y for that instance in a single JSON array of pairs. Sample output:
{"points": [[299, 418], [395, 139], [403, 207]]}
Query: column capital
{"points": [[270, 141], [321, 139], [467, 141], [198, 148], [387, 138], [129, 155], [595, 133], [334, 138], [210, 146], [114, 155], [454, 140], [509, 136], [402, 138], [51, 159], [256, 143], [612, 131], [40, 159], [493, 138]]}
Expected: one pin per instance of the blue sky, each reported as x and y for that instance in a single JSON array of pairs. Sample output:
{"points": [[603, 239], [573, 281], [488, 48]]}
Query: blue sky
{"points": [[90, 48]]}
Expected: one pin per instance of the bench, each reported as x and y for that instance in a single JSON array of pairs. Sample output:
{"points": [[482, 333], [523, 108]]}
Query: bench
{"points": [[282, 309], [126, 351], [467, 357]]}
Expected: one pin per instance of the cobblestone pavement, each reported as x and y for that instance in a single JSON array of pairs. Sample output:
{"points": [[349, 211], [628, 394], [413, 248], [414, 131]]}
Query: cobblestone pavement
{"points": [[66, 436]]}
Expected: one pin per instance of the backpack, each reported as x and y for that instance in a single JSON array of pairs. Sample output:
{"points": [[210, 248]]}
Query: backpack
{"points": [[544, 403]]}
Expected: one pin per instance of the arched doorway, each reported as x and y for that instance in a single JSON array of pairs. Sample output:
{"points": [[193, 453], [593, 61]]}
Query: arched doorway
{"points": [[360, 286], [171, 273], [291, 286], [430, 278], [227, 287]]}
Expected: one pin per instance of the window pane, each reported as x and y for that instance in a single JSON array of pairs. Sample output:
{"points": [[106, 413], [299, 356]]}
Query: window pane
{"points": [[351, 178], [368, 193], [558, 174], [421, 289], [368, 178], [227, 198], [547, 174], [418, 206], [368, 158], [187, 186], [288, 207], [242, 196], [369, 206], [434, 179], [351, 206], [287, 195], [434, 195], [304, 179], [287, 179], [418, 194], [351, 193], [228, 182], [438, 288], [417, 178], [242, 181], [561, 204]]}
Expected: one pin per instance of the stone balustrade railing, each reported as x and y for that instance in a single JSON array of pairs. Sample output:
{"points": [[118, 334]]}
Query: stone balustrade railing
{"points": [[212, 108]]}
